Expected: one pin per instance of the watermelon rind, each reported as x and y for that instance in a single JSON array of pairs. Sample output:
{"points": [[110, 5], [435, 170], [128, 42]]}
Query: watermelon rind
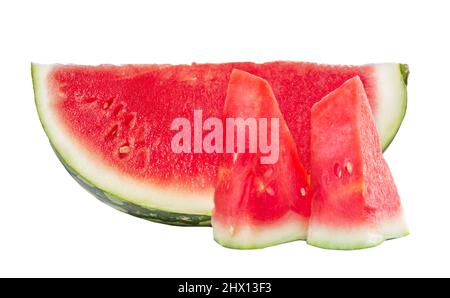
{"points": [[170, 218], [361, 237], [169, 206], [289, 228], [391, 80]]}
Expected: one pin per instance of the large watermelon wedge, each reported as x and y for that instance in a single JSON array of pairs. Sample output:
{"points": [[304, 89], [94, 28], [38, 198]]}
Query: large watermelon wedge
{"points": [[355, 201], [110, 125], [259, 204]]}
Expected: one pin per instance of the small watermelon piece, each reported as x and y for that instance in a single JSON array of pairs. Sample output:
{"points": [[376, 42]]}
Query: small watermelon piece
{"points": [[355, 201], [256, 204], [110, 125]]}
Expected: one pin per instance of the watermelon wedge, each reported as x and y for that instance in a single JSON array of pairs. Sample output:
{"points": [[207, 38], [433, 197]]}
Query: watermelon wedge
{"points": [[110, 125], [259, 204], [355, 201]]}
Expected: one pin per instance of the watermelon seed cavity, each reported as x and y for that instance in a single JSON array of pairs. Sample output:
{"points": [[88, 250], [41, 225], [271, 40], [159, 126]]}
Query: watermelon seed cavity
{"points": [[112, 133], [130, 120], [270, 191], [108, 103], [349, 167], [117, 110], [90, 99], [337, 170], [124, 150], [235, 156], [303, 191]]}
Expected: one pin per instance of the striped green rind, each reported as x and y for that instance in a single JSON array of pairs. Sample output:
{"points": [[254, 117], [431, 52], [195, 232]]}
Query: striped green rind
{"points": [[404, 70], [170, 218], [388, 135]]}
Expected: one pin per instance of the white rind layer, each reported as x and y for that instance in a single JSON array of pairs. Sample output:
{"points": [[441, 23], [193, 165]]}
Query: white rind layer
{"points": [[289, 228], [391, 101], [329, 237], [103, 176]]}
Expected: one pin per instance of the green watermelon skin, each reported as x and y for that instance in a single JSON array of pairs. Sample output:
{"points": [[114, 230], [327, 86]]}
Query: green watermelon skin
{"points": [[120, 204], [386, 142]]}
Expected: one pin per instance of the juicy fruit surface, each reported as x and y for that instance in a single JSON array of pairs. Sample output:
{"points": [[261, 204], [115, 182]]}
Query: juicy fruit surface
{"points": [[252, 198], [123, 114], [355, 200], [111, 124]]}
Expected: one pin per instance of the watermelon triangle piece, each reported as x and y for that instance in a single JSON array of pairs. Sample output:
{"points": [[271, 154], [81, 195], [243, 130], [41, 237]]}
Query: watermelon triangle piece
{"points": [[256, 204], [355, 201]]}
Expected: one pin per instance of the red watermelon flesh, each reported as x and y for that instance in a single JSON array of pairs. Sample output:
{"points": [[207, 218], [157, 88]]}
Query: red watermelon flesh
{"points": [[109, 107], [355, 201], [257, 205], [111, 124]]}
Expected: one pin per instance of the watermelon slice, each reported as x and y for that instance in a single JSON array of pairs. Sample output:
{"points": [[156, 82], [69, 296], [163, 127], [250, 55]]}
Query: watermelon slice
{"points": [[259, 204], [110, 125], [355, 201]]}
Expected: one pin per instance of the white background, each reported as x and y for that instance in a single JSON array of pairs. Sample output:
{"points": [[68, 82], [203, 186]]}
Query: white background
{"points": [[49, 226]]}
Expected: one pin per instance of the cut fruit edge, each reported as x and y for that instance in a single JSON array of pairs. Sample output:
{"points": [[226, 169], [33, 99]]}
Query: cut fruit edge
{"points": [[88, 168], [165, 200], [291, 227], [391, 80], [330, 237]]}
